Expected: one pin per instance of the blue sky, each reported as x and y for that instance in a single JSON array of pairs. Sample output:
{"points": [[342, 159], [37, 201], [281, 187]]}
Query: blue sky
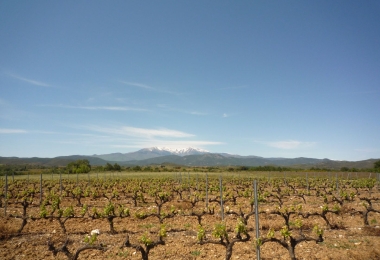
{"points": [[266, 78]]}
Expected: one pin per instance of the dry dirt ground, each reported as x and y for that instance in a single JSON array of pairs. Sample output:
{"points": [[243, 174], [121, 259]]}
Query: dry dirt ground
{"points": [[352, 240]]}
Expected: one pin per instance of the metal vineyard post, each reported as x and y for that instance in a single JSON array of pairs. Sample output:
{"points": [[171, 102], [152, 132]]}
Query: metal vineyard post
{"points": [[207, 191], [6, 194], [256, 219], [221, 197], [40, 188], [60, 183]]}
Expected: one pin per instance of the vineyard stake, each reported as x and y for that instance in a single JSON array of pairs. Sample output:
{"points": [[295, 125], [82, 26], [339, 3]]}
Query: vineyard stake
{"points": [[60, 184], [6, 194], [40, 188], [256, 219], [337, 184], [221, 197], [207, 191]]}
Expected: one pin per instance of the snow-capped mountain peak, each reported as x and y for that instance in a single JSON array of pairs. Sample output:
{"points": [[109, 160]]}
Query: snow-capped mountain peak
{"points": [[151, 152], [178, 151]]}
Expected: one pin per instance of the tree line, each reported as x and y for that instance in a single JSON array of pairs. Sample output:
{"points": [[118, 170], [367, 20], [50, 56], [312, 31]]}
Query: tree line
{"points": [[83, 166]]}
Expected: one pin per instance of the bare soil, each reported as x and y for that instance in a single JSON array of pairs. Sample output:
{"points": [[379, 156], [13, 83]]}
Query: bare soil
{"points": [[351, 240]]}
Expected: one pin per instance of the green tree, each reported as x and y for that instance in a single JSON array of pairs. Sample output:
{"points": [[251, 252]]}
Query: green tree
{"points": [[117, 167], [148, 169], [137, 168], [79, 166], [108, 167], [376, 165]]}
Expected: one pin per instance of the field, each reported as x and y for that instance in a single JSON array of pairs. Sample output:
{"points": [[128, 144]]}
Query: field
{"points": [[190, 216]]}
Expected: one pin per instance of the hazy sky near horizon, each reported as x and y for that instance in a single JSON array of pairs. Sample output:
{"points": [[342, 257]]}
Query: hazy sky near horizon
{"points": [[266, 78]]}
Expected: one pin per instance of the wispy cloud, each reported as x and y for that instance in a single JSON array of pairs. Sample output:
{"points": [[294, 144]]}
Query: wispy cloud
{"points": [[124, 138], [12, 131], [144, 86], [141, 132], [367, 150], [169, 144], [30, 81], [155, 132], [229, 114], [135, 84], [234, 87], [290, 144], [168, 108], [197, 113], [112, 108]]}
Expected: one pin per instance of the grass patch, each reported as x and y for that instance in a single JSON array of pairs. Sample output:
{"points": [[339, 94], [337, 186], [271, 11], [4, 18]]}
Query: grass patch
{"points": [[195, 253]]}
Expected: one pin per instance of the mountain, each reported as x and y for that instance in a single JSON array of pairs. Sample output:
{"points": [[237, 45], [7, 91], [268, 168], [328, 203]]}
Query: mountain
{"points": [[49, 162], [148, 153], [182, 152], [189, 157], [215, 159]]}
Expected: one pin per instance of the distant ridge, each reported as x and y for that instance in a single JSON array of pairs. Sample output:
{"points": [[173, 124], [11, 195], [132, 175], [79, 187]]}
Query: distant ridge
{"points": [[148, 153], [49, 162], [189, 157]]}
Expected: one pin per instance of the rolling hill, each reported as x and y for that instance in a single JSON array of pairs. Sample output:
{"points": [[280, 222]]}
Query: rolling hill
{"points": [[188, 157]]}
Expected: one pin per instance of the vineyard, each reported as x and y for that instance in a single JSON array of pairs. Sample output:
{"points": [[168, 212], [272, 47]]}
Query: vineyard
{"points": [[191, 216]]}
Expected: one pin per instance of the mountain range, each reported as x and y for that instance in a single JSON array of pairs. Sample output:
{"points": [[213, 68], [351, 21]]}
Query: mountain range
{"points": [[148, 153], [188, 157]]}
